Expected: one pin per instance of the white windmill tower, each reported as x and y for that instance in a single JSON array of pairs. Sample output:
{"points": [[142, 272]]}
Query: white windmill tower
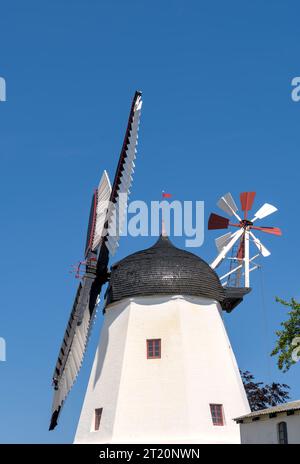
{"points": [[164, 370], [241, 261]]}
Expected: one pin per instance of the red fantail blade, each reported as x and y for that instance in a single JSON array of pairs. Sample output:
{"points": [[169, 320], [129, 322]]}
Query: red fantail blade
{"points": [[217, 222], [268, 230], [247, 199], [166, 195]]}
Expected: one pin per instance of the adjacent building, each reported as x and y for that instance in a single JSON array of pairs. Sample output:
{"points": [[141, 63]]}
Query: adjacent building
{"points": [[280, 424]]}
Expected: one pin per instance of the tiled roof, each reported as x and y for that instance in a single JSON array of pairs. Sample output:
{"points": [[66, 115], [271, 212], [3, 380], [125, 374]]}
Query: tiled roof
{"points": [[291, 406], [163, 269]]}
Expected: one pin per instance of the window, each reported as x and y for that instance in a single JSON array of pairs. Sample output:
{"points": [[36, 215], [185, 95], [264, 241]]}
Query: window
{"points": [[154, 348], [217, 414], [282, 433], [98, 414]]}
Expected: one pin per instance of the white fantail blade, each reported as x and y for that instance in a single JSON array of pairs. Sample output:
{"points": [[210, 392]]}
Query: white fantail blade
{"points": [[235, 237], [222, 241], [103, 196], [228, 205], [263, 250], [264, 211]]}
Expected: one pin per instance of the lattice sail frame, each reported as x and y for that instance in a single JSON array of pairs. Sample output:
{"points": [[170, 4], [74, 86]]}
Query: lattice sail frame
{"points": [[101, 242]]}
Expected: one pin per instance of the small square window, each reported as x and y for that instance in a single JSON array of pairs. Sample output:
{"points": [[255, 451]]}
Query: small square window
{"points": [[98, 414], [217, 414], [154, 348]]}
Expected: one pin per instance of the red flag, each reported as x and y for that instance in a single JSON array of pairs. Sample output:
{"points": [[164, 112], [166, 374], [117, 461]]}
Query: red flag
{"points": [[166, 195]]}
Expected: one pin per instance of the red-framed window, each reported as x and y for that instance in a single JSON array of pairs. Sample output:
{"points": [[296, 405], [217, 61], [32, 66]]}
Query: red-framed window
{"points": [[154, 348], [98, 415], [217, 414]]}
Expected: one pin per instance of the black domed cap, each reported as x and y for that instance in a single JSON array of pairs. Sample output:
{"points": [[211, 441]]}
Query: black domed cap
{"points": [[163, 269]]}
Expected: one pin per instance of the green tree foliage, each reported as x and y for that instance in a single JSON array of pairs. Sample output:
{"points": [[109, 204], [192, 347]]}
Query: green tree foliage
{"points": [[262, 396], [290, 329]]}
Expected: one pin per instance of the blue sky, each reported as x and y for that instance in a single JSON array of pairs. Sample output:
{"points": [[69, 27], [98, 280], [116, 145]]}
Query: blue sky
{"points": [[217, 116]]}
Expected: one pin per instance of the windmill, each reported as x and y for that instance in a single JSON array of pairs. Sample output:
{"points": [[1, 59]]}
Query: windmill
{"points": [[107, 215], [239, 241], [155, 350]]}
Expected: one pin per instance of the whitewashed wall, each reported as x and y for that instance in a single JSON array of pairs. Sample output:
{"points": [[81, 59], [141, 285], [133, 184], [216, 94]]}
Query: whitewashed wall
{"points": [[167, 399]]}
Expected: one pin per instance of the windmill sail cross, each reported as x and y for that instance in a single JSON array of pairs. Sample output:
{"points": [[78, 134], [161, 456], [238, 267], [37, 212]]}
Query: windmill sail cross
{"points": [[106, 200]]}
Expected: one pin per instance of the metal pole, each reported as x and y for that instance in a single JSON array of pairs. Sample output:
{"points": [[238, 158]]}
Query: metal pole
{"points": [[246, 259]]}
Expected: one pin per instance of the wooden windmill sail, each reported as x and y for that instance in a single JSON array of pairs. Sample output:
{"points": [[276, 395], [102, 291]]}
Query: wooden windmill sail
{"points": [[108, 207]]}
